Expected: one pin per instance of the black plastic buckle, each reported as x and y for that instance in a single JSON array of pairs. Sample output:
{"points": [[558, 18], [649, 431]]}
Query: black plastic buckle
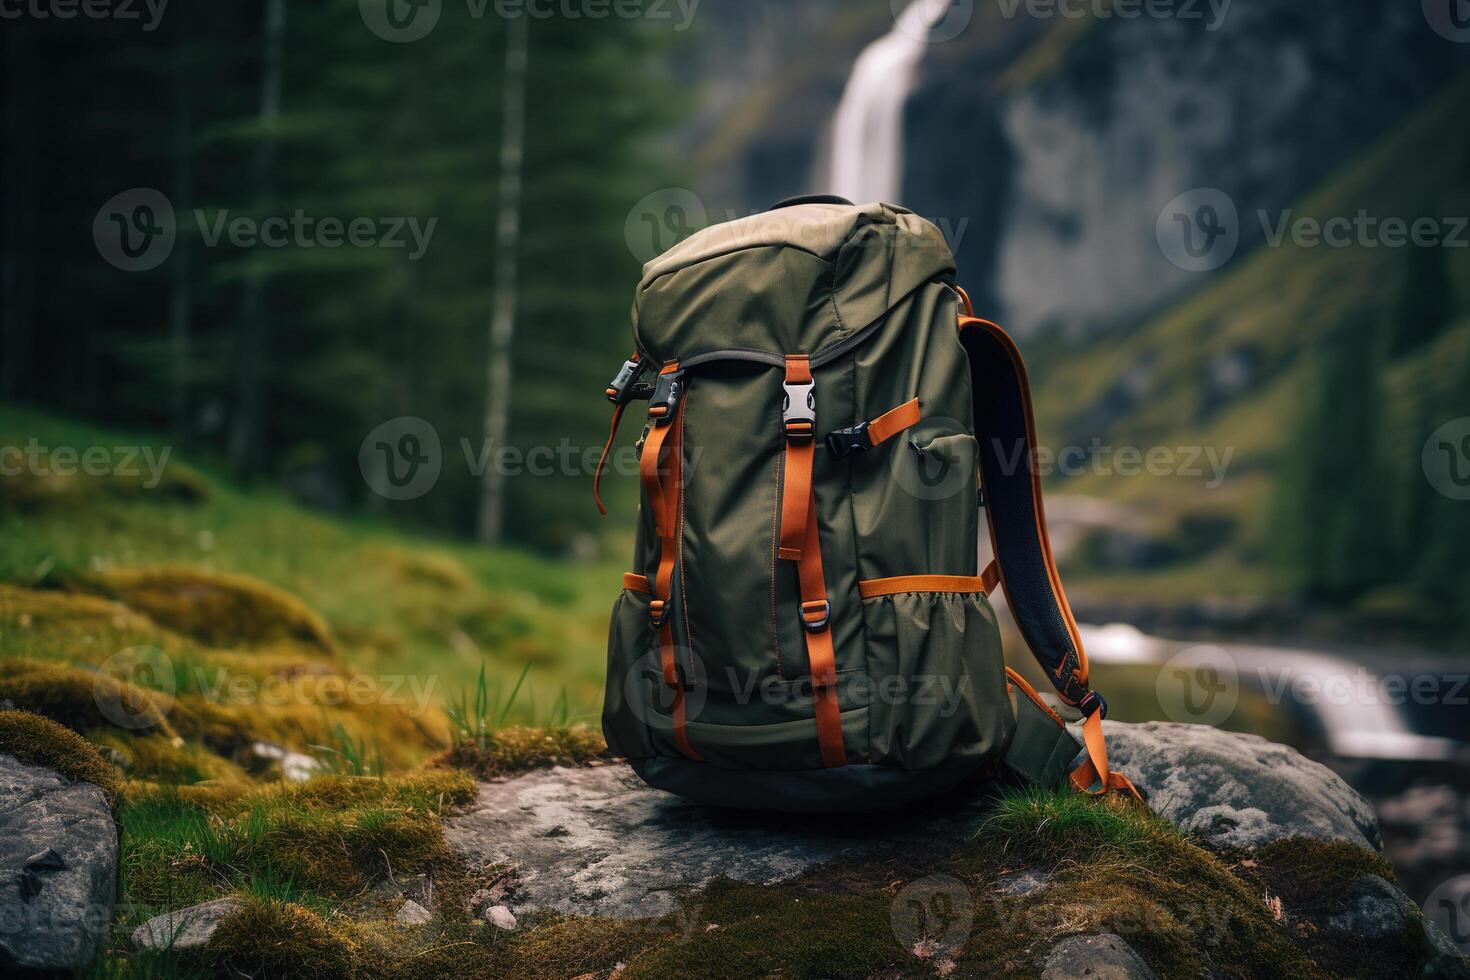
{"points": [[844, 442], [820, 623], [1092, 704], [621, 388], [664, 401]]}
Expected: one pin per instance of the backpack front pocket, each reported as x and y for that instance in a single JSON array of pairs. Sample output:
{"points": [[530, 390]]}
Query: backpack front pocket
{"points": [[936, 676]]}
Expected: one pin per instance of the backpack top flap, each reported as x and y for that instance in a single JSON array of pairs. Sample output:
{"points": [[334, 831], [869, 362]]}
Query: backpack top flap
{"points": [[792, 280]]}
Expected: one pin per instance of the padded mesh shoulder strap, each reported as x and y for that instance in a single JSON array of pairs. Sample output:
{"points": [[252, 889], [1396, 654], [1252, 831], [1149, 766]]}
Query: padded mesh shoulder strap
{"points": [[1007, 437], [1006, 431]]}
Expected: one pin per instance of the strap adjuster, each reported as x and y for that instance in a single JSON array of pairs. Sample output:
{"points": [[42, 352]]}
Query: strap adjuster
{"points": [[799, 410], [621, 388], [816, 614], [1092, 704], [658, 612], [844, 442], [667, 391]]}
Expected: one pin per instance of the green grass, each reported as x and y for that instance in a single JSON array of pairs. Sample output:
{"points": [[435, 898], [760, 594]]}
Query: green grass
{"points": [[397, 604]]}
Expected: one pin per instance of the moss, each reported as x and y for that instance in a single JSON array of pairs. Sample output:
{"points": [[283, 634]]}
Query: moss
{"points": [[81, 699], [39, 741], [519, 749], [332, 836], [158, 758], [40, 487], [217, 608], [281, 939]]}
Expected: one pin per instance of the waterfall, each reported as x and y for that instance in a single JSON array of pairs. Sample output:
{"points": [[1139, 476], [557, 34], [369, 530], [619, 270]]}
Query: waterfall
{"points": [[867, 133]]}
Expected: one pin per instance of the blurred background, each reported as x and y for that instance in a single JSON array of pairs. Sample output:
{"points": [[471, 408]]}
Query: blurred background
{"points": [[326, 293]]}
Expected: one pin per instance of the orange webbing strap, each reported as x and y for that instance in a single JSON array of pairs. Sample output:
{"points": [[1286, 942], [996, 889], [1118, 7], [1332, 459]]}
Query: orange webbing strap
{"points": [[816, 620], [1094, 776], [990, 578], [651, 464], [664, 485], [892, 422], [617, 416], [800, 427]]}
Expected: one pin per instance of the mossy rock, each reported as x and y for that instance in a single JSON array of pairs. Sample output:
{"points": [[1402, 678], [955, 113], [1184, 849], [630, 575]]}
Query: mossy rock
{"points": [[520, 749], [39, 741], [219, 609], [281, 939], [83, 700]]}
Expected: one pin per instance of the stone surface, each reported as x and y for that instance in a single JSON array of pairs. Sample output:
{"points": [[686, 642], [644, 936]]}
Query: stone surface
{"points": [[185, 928], [1376, 909], [1100, 957], [1238, 790], [598, 841], [411, 913], [500, 917], [65, 920]]}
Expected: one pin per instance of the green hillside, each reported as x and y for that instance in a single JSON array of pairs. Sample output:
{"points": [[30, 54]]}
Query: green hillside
{"points": [[1238, 364]]}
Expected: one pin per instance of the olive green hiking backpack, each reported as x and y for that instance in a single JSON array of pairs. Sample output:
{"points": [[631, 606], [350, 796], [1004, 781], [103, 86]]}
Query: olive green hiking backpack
{"points": [[805, 626]]}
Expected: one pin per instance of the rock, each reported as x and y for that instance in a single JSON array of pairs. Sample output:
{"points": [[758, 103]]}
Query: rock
{"points": [[1100, 957], [185, 928], [295, 767], [54, 910], [600, 842], [411, 913], [500, 917], [628, 850], [1238, 790], [1376, 909], [1022, 883]]}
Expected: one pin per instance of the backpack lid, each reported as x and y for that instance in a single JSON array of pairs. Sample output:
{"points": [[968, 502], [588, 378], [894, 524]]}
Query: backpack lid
{"points": [[793, 280]]}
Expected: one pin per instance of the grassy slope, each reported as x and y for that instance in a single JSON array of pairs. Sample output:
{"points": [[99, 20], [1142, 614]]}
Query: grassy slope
{"points": [[395, 603], [1278, 304]]}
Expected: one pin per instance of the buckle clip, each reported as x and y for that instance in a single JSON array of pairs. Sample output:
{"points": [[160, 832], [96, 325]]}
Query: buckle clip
{"points": [[1092, 704], [664, 401], [799, 410], [842, 443], [816, 614], [621, 388], [658, 612]]}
